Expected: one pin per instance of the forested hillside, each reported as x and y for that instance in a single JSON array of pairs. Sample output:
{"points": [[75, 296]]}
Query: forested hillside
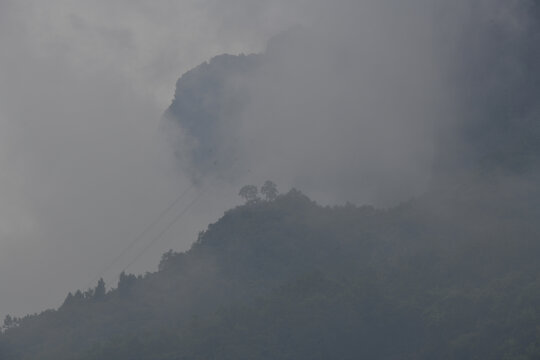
{"points": [[448, 275], [452, 273]]}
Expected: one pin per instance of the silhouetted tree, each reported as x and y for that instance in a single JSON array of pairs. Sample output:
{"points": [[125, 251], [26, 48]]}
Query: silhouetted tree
{"points": [[249, 193], [78, 296], [8, 322], [269, 190], [99, 291], [70, 299], [125, 283]]}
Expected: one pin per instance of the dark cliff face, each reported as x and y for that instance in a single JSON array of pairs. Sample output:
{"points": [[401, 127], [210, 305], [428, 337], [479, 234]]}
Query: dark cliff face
{"points": [[207, 101], [494, 77], [491, 69]]}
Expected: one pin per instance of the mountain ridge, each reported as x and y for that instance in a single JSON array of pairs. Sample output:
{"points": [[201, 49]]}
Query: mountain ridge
{"points": [[265, 261]]}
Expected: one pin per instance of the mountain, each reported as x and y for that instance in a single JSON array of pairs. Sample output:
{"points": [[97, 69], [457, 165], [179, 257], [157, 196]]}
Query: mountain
{"points": [[494, 75], [444, 276], [208, 100], [449, 274], [491, 83]]}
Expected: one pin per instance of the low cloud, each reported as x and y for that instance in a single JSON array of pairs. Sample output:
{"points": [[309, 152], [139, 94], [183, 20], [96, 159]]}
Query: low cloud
{"points": [[369, 102]]}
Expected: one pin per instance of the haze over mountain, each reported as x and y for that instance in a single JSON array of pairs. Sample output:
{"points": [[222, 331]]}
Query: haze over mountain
{"points": [[450, 275], [84, 164], [426, 109], [446, 91]]}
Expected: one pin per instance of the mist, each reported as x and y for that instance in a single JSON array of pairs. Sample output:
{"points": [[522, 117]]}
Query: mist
{"points": [[85, 164], [348, 101], [368, 102]]}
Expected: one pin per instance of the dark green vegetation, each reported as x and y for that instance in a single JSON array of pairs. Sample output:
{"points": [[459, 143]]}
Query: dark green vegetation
{"points": [[452, 275]]}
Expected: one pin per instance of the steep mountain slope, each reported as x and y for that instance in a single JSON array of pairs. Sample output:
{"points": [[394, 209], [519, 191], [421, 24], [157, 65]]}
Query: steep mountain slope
{"points": [[452, 274], [446, 276]]}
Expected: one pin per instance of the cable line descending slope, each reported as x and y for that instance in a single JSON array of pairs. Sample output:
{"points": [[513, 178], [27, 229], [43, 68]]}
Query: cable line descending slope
{"points": [[164, 231], [140, 236]]}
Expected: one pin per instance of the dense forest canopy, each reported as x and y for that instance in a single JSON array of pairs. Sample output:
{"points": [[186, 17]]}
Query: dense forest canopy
{"points": [[451, 275]]}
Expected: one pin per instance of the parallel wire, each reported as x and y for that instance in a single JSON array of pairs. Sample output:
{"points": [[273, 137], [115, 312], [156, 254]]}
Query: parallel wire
{"points": [[149, 227], [140, 236], [203, 190], [164, 231]]}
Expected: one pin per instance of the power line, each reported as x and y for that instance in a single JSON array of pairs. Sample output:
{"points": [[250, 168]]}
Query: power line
{"points": [[149, 227], [164, 231], [170, 224], [142, 234]]}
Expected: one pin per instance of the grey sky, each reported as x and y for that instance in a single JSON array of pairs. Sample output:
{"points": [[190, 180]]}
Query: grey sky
{"points": [[84, 163]]}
